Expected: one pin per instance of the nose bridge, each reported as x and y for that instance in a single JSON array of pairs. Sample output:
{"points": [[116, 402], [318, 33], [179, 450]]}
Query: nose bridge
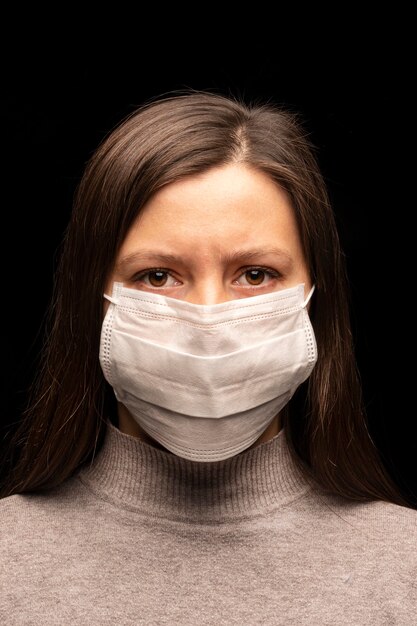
{"points": [[208, 290]]}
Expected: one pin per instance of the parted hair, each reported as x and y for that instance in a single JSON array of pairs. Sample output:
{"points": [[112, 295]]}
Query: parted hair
{"points": [[166, 139]]}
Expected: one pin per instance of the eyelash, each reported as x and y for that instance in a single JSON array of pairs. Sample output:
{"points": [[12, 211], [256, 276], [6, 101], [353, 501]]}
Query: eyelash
{"points": [[267, 270], [142, 275]]}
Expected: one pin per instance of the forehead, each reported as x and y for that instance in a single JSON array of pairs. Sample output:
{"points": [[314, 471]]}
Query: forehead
{"points": [[226, 186], [226, 203]]}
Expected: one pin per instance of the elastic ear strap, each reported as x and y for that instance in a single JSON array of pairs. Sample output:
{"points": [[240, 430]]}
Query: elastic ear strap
{"points": [[306, 301], [110, 299]]}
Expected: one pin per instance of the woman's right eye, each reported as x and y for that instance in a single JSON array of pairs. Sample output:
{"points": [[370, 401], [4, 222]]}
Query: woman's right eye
{"points": [[156, 278]]}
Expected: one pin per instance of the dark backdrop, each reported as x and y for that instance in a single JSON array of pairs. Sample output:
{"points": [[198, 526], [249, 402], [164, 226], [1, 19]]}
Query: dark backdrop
{"points": [[65, 92]]}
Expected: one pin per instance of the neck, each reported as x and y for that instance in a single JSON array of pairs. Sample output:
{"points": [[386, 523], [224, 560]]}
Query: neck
{"points": [[134, 475]]}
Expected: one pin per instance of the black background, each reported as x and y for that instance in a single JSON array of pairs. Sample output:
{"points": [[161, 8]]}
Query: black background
{"points": [[64, 87]]}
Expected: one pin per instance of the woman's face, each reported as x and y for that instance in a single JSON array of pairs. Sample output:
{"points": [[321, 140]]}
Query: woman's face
{"points": [[226, 234]]}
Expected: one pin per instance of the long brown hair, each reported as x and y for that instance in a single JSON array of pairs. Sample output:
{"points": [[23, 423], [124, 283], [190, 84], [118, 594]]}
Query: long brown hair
{"points": [[164, 140]]}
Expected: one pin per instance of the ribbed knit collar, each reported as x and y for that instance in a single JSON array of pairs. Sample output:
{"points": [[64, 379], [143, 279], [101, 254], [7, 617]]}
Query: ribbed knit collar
{"points": [[137, 476]]}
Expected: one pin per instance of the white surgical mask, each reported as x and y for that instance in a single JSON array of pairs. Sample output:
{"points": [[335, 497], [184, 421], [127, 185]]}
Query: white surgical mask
{"points": [[206, 381]]}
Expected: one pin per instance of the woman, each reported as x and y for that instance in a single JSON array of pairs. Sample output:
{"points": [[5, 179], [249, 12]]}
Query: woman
{"points": [[195, 450]]}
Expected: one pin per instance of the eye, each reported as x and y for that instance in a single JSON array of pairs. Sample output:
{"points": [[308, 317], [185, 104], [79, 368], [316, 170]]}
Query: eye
{"points": [[257, 276], [156, 278]]}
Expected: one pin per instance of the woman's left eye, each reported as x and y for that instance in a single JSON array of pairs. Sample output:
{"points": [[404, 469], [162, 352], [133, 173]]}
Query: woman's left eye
{"points": [[255, 276]]}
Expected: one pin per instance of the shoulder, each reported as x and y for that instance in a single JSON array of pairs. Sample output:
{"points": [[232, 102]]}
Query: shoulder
{"points": [[22, 512], [374, 542], [43, 525], [377, 515], [382, 525]]}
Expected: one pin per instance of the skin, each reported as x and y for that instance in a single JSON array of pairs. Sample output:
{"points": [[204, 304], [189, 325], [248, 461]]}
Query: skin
{"points": [[226, 234]]}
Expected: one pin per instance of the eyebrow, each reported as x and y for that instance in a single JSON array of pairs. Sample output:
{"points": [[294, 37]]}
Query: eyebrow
{"points": [[147, 255], [231, 257]]}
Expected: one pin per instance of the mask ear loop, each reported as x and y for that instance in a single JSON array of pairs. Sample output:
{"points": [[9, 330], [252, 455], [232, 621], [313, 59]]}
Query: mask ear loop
{"points": [[110, 299], [117, 287], [307, 300]]}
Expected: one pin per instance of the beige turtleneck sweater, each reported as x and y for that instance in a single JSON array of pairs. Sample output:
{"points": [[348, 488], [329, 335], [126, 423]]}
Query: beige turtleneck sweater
{"points": [[143, 537]]}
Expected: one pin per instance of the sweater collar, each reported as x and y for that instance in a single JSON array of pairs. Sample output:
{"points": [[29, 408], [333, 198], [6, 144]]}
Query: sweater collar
{"points": [[135, 475]]}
